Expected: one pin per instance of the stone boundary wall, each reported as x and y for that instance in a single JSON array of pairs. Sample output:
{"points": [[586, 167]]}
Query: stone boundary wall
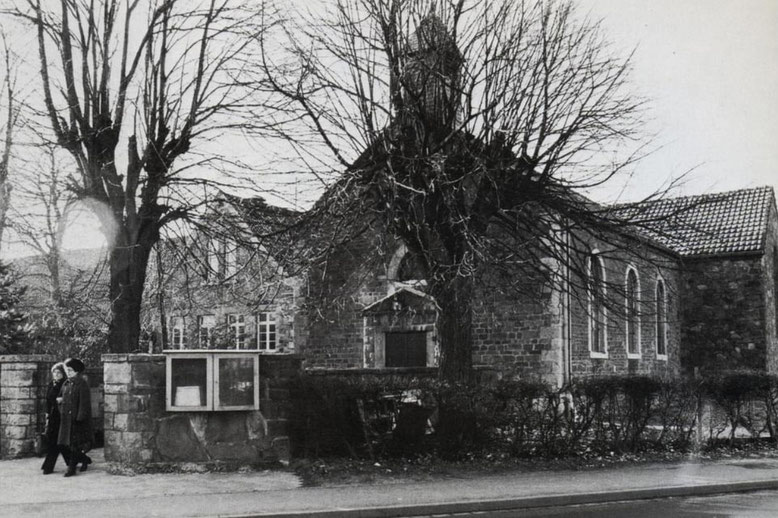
{"points": [[138, 429], [23, 381]]}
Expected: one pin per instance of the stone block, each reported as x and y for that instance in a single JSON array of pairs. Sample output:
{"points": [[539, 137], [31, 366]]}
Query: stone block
{"points": [[125, 442], [17, 378], [140, 423], [148, 375], [226, 427], [111, 403], [114, 388], [282, 448], [117, 374], [17, 393], [20, 406], [18, 366], [18, 419], [146, 455], [14, 432], [110, 448], [119, 422], [276, 427], [240, 451], [176, 441], [256, 425]]}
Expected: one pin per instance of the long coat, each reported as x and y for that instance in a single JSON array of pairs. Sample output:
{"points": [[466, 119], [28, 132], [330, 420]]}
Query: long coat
{"points": [[75, 430], [52, 411]]}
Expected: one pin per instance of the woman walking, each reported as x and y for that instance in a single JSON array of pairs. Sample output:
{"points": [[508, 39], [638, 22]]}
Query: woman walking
{"points": [[53, 419], [75, 429]]}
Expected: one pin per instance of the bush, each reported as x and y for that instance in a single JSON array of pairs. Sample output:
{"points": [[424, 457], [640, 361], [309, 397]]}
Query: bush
{"points": [[370, 416]]}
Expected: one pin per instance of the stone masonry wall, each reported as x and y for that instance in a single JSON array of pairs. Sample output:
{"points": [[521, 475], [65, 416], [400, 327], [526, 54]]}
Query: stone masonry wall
{"points": [[23, 380], [138, 429], [770, 289], [724, 313], [650, 265]]}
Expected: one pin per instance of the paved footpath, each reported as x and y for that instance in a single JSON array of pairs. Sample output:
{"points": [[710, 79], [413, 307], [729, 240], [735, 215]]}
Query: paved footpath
{"points": [[25, 492]]}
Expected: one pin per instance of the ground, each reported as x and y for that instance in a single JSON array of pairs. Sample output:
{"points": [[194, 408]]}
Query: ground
{"points": [[333, 472]]}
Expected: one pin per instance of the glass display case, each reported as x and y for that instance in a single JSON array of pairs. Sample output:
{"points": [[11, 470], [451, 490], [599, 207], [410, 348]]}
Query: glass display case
{"points": [[237, 382], [211, 381]]}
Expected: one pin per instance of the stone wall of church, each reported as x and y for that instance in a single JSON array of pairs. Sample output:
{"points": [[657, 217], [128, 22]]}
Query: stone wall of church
{"points": [[519, 333], [770, 289], [329, 325], [651, 265], [723, 312]]}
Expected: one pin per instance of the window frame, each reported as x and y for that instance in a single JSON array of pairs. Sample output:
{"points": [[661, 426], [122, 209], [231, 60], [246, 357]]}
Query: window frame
{"points": [[595, 256], [169, 357], [210, 329], [237, 338], [271, 320], [660, 322], [217, 382], [173, 327], [627, 314]]}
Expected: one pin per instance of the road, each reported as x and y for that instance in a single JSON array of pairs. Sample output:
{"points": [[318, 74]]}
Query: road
{"points": [[763, 504]]}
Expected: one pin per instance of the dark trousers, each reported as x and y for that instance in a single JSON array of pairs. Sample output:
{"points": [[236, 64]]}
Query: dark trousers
{"points": [[75, 457], [54, 451]]}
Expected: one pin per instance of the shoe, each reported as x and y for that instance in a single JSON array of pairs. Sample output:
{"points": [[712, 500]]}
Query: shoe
{"points": [[48, 471], [70, 472], [86, 463]]}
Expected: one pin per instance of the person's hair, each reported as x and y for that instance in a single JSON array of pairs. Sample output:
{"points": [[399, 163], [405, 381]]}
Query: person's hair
{"points": [[59, 366], [75, 364]]}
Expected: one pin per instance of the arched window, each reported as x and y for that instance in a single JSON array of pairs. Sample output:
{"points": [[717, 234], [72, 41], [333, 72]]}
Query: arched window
{"points": [[597, 312], [632, 316], [411, 268], [661, 319]]}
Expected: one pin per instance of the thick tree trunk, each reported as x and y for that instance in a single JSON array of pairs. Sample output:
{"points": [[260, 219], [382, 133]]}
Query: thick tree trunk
{"points": [[455, 329], [128, 262]]}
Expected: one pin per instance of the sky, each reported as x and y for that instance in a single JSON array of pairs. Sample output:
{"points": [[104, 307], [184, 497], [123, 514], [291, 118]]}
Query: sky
{"points": [[710, 68], [710, 71]]}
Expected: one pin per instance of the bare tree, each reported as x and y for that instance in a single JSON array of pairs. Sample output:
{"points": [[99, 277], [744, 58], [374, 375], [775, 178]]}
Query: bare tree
{"points": [[9, 109], [161, 76], [39, 218], [66, 297], [470, 131]]}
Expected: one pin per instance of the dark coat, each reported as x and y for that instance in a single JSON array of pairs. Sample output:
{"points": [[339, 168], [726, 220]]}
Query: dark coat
{"points": [[75, 430], [52, 411]]}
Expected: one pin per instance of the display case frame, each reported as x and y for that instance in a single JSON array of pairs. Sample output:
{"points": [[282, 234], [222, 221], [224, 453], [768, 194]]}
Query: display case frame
{"points": [[212, 394]]}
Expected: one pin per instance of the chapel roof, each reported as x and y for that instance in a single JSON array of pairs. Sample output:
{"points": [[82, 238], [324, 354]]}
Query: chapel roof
{"points": [[724, 223]]}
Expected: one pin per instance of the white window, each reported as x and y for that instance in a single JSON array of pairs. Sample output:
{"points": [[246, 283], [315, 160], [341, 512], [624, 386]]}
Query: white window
{"points": [[632, 313], [661, 320], [177, 333], [237, 328], [205, 327], [597, 311], [266, 331]]}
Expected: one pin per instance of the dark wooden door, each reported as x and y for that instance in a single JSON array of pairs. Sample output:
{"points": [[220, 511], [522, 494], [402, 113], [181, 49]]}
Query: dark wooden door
{"points": [[406, 349]]}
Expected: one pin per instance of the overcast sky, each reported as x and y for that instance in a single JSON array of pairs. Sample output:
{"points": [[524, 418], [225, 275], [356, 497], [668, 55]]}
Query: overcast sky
{"points": [[710, 68]]}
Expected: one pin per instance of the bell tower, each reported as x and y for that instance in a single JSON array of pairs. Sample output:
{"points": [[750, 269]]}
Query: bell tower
{"points": [[432, 71]]}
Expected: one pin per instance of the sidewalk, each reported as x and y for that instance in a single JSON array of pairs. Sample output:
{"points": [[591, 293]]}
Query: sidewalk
{"points": [[25, 492]]}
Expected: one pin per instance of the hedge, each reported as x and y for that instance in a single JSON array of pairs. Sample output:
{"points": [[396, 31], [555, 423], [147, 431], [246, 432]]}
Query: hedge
{"points": [[374, 415]]}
